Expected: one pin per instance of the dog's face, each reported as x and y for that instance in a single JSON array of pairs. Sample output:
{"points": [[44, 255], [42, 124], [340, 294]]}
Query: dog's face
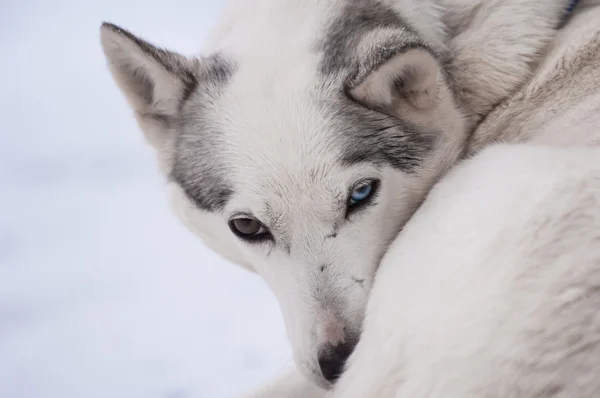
{"points": [[303, 171]]}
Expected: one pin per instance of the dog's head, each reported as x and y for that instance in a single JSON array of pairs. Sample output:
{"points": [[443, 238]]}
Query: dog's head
{"points": [[298, 148]]}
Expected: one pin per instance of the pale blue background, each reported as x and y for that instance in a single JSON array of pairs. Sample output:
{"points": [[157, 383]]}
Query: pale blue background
{"points": [[103, 294]]}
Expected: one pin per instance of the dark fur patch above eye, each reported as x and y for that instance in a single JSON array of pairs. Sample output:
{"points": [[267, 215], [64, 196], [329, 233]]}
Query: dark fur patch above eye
{"points": [[210, 193], [370, 136], [367, 135], [197, 166]]}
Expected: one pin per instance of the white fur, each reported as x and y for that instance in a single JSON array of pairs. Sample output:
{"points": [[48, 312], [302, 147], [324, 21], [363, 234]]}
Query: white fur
{"points": [[495, 285], [290, 384], [499, 299], [576, 123], [356, 252], [280, 156], [560, 105]]}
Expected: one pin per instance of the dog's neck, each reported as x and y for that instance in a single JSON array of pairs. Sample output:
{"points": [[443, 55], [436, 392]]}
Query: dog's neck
{"points": [[494, 47], [564, 76]]}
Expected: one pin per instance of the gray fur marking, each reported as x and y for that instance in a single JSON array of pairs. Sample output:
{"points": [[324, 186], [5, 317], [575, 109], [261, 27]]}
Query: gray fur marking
{"points": [[370, 136], [197, 167], [343, 35], [365, 135]]}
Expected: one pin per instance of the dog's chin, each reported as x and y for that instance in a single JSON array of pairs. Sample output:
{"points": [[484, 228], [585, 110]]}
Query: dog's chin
{"points": [[322, 383], [314, 376]]}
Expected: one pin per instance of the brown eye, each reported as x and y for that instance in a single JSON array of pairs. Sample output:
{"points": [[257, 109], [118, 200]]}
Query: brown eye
{"points": [[248, 228]]}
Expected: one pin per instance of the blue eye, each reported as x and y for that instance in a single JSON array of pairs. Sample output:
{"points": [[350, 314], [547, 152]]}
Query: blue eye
{"points": [[361, 192]]}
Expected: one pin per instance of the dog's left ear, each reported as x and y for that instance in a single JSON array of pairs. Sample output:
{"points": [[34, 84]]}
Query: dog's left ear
{"points": [[407, 77], [154, 80]]}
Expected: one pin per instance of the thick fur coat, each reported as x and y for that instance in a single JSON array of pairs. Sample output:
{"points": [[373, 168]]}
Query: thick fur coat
{"points": [[301, 144], [558, 106]]}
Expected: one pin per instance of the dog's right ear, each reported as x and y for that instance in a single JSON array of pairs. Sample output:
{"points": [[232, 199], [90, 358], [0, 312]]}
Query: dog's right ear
{"points": [[155, 81], [410, 76]]}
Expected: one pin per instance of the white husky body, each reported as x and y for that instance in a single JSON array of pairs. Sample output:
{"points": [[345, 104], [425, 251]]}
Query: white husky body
{"points": [[301, 144], [495, 285]]}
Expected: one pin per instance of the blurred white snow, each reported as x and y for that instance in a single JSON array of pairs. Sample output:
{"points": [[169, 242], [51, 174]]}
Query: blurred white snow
{"points": [[102, 292]]}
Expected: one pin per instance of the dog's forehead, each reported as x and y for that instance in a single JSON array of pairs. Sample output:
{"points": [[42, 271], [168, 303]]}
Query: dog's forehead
{"points": [[304, 138], [283, 140], [260, 129], [280, 113]]}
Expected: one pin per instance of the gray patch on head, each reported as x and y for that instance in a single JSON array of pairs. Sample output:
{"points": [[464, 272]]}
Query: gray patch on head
{"points": [[366, 135], [345, 32], [197, 167]]}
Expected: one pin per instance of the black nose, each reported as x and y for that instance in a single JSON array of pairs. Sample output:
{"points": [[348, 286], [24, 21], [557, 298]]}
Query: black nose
{"points": [[332, 360]]}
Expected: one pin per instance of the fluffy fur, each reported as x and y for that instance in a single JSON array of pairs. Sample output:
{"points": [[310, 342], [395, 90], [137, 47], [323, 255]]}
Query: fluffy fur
{"points": [[560, 104], [295, 103], [501, 297], [553, 354]]}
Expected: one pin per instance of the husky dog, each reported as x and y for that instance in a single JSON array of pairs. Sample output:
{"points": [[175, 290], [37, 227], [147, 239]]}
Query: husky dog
{"points": [[492, 287], [311, 131]]}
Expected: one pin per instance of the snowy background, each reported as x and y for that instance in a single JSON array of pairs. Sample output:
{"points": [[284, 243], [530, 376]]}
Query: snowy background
{"points": [[102, 292]]}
